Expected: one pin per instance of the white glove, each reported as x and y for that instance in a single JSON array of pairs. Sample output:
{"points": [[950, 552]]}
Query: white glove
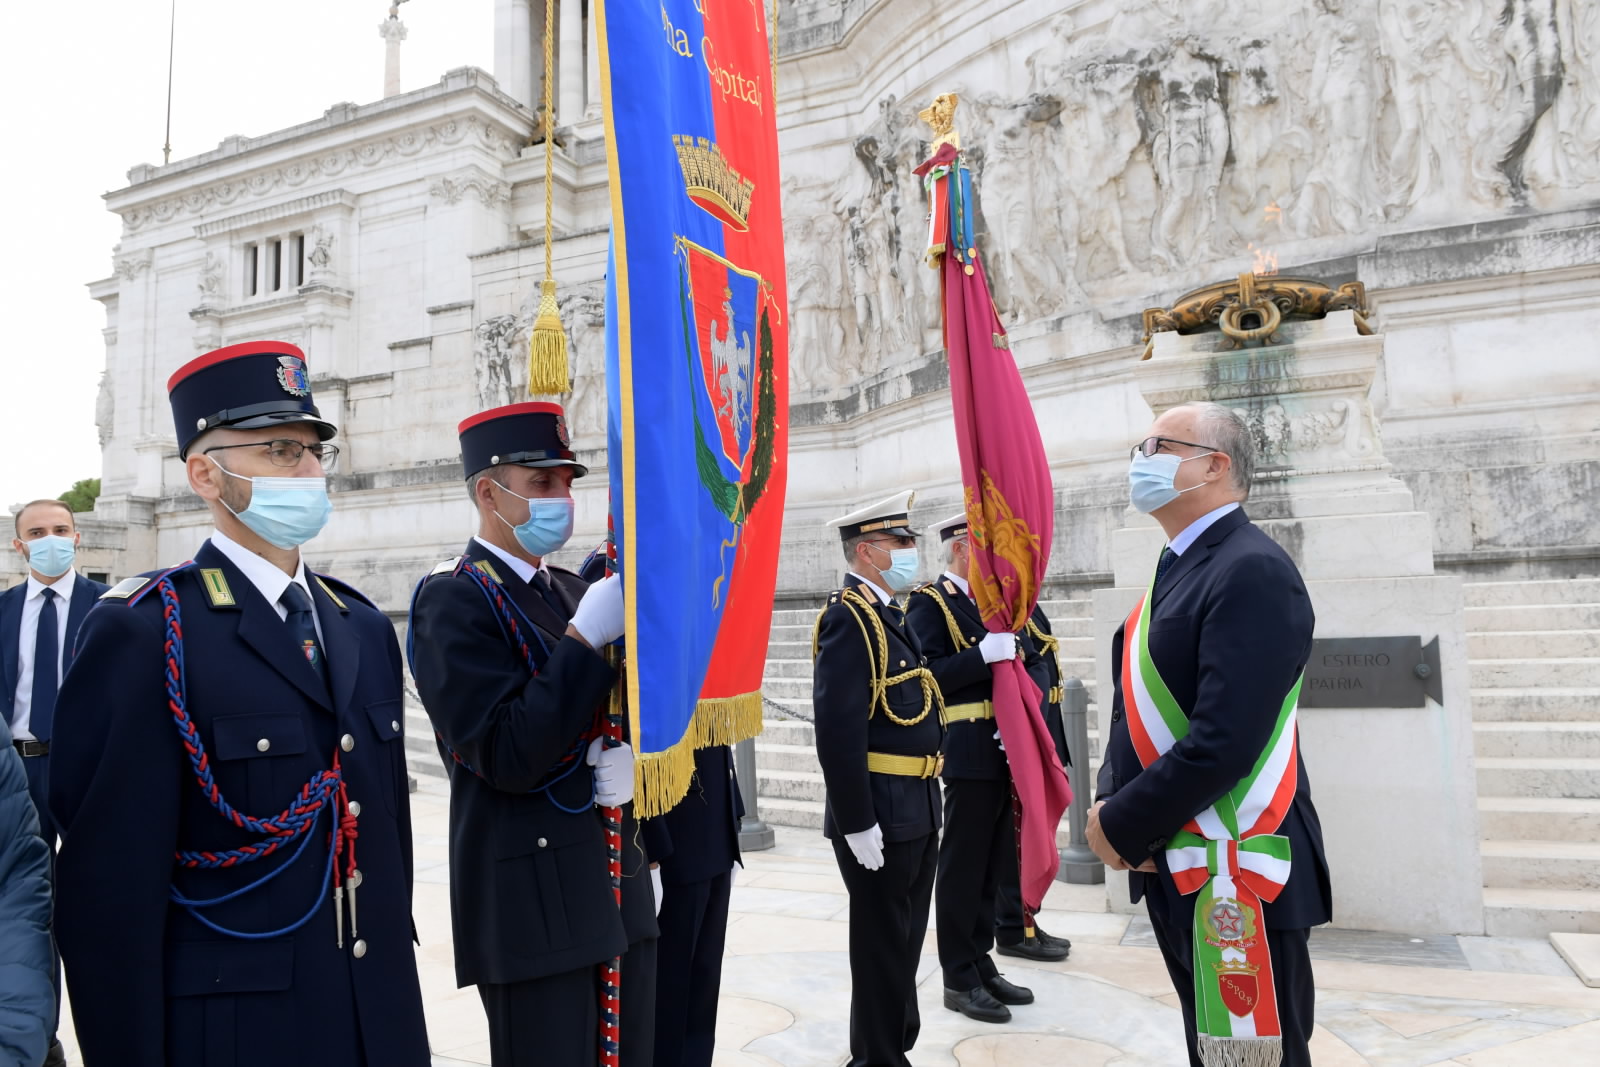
{"points": [[1000, 740], [655, 883], [996, 648], [613, 773], [868, 847], [599, 617]]}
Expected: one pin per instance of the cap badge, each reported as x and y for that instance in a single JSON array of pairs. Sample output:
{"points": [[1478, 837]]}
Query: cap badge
{"points": [[561, 432], [292, 376]]}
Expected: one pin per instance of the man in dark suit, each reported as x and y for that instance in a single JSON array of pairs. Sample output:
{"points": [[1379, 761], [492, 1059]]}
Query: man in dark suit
{"points": [[878, 718], [231, 727], [980, 836], [507, 652], [1228, 631], [39, 622], [1013, 935], [695, 846]]}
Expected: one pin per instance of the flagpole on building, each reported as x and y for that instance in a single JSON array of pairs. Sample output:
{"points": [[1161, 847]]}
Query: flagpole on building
{"points": [[172, 38]]}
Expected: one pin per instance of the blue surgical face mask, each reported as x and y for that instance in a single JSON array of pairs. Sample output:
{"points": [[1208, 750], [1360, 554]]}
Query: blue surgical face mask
{"points": [[284, 512], [51, 555], [549, 523], [1150, 480], [902, 569]]}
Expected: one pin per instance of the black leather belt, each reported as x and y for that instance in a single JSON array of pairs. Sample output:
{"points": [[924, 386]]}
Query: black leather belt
{"points": [[33, 748]]}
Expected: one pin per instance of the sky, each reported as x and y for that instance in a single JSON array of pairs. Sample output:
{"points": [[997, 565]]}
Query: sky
{"points": [[85, 85]]}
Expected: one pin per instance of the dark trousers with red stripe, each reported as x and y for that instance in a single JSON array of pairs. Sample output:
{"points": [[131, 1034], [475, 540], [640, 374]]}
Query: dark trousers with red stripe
{"points": [[1291, 977]]}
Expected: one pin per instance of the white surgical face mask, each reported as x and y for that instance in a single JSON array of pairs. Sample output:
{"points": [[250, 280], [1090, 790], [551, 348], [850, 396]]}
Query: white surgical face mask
{"points": [[1150, 480], [284, 512]]}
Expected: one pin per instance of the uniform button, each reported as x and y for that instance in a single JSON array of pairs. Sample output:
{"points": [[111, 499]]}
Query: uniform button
{"points": [[394, 724], [359, 948], [347, 742], [263, 744], [544, 843], [1116, 716], [355, 807], [902, 663]]}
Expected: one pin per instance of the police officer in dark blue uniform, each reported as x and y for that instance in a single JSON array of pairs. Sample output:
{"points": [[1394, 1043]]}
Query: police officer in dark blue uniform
{"points": [[879, 724], [507, 654], [695, 846], [979, 839], [234, 883], [1013, 936]]}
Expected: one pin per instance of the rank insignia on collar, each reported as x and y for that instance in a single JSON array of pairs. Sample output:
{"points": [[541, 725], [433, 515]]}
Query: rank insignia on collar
{"points": [[332, 595], [125, 588], [950, 587], [292, 376], [216, 584], [488, 568]]}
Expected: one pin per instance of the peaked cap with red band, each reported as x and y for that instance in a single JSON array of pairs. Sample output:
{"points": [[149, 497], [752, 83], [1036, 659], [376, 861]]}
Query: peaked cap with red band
{"points": [[244, 386], [528, 435]]}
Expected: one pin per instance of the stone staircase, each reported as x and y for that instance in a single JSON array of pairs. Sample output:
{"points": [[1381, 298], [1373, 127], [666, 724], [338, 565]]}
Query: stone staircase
{"points": [[1534, 654], [791, 791]]}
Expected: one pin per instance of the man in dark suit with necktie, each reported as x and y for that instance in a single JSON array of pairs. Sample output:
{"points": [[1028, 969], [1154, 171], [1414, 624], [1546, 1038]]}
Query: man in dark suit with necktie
{"points": [[231, 742], [1205, 684], [39, 622], [508, 655], [879, 724]]}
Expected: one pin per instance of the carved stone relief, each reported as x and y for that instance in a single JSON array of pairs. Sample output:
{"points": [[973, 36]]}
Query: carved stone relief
{"points": [[1183, 137], [105, 409]]}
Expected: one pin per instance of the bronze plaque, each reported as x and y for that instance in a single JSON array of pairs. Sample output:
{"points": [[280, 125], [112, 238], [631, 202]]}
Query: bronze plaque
{"points": [[1372, 672]]}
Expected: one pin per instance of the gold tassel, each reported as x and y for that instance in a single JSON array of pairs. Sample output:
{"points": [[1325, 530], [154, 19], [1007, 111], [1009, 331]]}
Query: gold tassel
{"points": [[661, 779], [547, 347]]}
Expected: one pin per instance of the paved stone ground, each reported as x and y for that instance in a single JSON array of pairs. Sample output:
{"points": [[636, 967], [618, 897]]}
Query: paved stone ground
{"points": [[1381, 999]]}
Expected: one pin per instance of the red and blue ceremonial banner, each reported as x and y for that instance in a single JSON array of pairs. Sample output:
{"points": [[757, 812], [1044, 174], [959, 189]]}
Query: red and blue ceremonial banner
{"points": [[696, 369], [1010, 503]]}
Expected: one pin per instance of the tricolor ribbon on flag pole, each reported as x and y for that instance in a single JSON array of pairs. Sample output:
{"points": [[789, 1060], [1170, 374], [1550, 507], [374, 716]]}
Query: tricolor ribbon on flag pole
{"points": [[1229, 857]]}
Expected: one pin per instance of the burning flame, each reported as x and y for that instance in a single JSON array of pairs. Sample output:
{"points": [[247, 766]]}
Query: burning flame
{"points": [[1266, 260]]}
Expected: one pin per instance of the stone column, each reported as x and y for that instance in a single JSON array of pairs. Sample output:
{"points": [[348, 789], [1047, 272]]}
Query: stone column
{"points": [[513, 50], [1395, 786], [592, 65], [393, 31], [569, 62]]}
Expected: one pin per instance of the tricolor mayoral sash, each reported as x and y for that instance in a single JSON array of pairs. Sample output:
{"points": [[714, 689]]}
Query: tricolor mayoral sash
{"points": [[1230, 856]]}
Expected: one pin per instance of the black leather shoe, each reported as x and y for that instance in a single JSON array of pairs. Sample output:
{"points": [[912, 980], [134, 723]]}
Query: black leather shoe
{"points": [[57, 1056], [978, 1004], [1036, 948], [1051, 939], [1007, 992]]}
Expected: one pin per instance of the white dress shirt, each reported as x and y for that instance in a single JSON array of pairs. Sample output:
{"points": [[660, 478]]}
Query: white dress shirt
{"points": [[269, 581], [1191, 533], [32, 604], [883, 594], [520, 567]]}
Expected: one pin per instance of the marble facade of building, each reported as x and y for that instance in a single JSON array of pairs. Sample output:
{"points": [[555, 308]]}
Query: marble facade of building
{"points": [[1443, 154]]}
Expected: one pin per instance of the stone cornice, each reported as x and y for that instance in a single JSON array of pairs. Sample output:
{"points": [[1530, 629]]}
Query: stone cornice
{"points": [[340, 198], [466, 109]]}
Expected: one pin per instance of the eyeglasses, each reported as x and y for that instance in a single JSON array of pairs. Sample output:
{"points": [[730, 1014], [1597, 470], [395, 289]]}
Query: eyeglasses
{"points": [[1151, 445], [284, 452]]}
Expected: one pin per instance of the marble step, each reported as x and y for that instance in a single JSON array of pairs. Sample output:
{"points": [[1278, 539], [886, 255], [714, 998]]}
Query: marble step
{"points": [[1533, 644], [422, 753], [771, 756], [791, 785], [799, 814], [1534, 673], [1534, 617], [1501, 776], [1539, 818], [1553, 591], [1081, 608], [1540, 912], [1541, 739], [1573, 704], [1541, 864]]}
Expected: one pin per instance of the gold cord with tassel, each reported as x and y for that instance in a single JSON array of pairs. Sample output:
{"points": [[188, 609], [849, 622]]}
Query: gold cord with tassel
{"points": [[547, 344]]}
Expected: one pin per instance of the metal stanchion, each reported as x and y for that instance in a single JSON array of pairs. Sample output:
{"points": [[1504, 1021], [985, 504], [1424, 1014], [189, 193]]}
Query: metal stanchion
{"points": [[1079, 864], [754, 835]]}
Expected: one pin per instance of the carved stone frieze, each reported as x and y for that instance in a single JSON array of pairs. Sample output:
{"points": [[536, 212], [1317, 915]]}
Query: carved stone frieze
{"points": [[488, 190], [325, 165]]}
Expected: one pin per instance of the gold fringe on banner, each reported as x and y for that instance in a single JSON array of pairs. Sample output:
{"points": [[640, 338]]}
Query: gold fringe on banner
{"points": [[661, 779]]}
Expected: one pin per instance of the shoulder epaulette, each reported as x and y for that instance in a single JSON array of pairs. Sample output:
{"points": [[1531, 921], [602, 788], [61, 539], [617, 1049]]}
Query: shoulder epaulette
{"points": [[132, 590], [125, 588], [445, 567]]}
